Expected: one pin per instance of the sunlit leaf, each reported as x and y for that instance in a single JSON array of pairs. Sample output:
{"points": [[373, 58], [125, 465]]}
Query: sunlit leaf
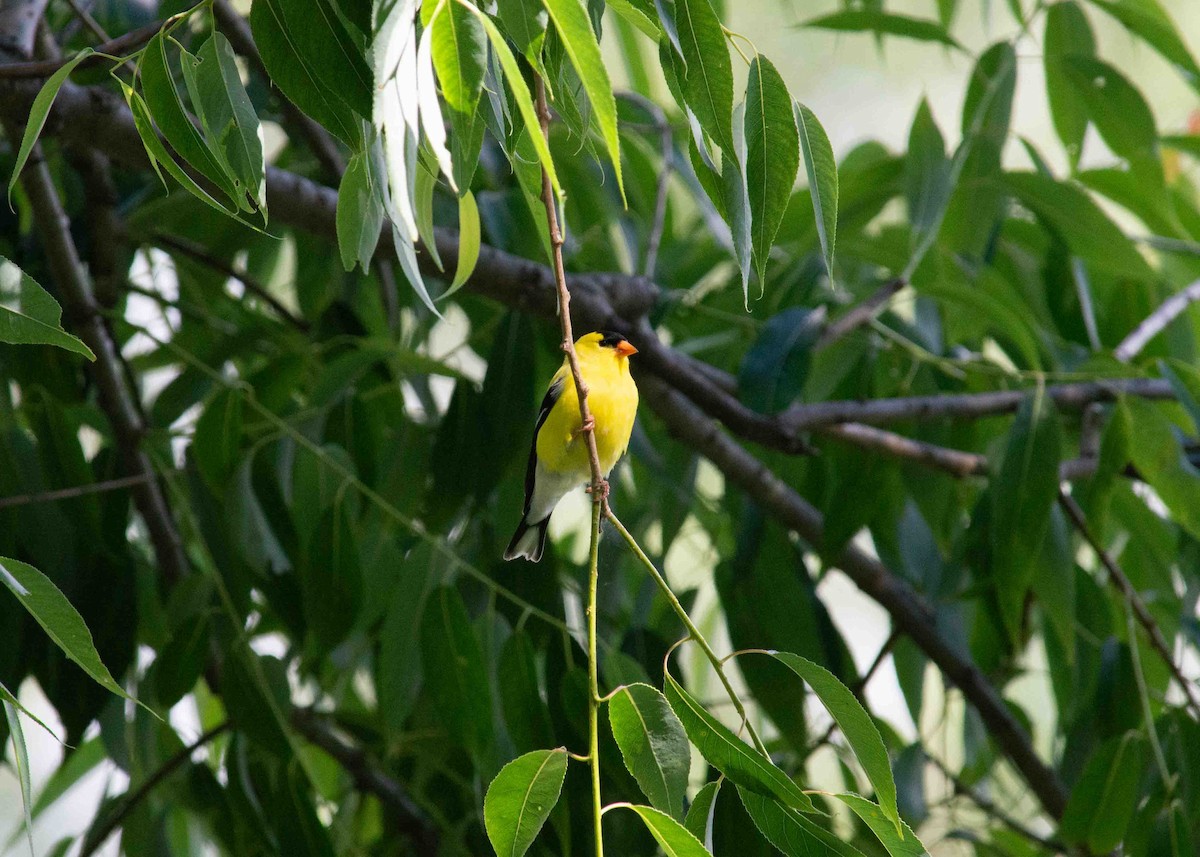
{"points": [[520, 799], [29, 316], [653, 744]]}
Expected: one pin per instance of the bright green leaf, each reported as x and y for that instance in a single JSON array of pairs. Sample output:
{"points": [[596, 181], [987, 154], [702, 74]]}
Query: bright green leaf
{"points": [[884, 24], [468, 241], [520, 799], [706, 77], [674, 839], [459, 55], [359, 215], [21, 762], [653, 744], [789, 831], [822, 179], [1068, 35], [772, 156], [896, 836], [29, 316]]}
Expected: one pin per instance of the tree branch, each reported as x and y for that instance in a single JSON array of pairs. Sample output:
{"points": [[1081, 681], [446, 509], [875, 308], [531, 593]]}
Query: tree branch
{"points": [[72, 492], [45, 68], [368, 777], [909, 612], [1154, 324], [861, 313]]}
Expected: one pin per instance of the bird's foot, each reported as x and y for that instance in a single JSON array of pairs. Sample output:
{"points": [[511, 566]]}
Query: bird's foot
{"points": [[600, 489], [589, 425]]}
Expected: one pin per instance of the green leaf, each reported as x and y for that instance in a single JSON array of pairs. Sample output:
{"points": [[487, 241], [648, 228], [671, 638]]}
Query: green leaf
{"points": [[574, 28], [884, 24], [1024, 489], [706, 77], [674, 839], [459, 55], [789, 831], [926, 181], [1088, 231], [21, 762], [1185, 382], [896, 836], [29, 316], [230, 124], [1103, 801], [454, 669], [216, 443], [11, 698], [520, 799], [822, 179], [1068, 35], [60, 620], [653, 745], [38, 112], [521, 692], [640, 15], [855, 724], [700, 814], [1161, 460], [468, 241], [520, 91], [1148, 21], [772, 156], [158, 88], [775, 369], [1114, 105], [359, 215], [729, 754], [287, 43], [525, 23]]}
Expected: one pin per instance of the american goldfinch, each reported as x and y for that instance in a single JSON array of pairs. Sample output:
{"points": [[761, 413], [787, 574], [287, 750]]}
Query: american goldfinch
{"points": [[558, 459]]}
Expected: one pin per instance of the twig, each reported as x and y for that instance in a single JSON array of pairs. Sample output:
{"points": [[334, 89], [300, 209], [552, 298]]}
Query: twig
{"points": [[201, 254], [130, 801], [953, 461], [989, 808], [1122, 584], [368, 777], [74, 491], [599, 488], [117, 399], [1170, 309], [116, 47], [861, 313], [88, 21], [910, 614], [693, 632]]}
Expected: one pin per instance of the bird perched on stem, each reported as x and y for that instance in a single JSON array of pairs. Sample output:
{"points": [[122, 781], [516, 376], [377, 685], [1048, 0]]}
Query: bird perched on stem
{"points": [[558, 458]]}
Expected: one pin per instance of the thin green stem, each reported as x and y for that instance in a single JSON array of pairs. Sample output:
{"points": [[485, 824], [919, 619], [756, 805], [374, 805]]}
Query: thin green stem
{"points": [[594, 681], [717, 664]]}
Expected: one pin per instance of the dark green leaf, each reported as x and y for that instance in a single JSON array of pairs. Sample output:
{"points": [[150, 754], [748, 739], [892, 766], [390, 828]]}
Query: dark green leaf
{"points": [[1068, 35], [772, 156], [1103, 801], [895, 835], [359, 215], [671, 836], [1161, 461], [855, 724], [822, 179], [1024, 489], [706, 75], [653, 744], [521, 798], [729, 754], [1114, 105], [775, 368], [21, 762], [525, 23], [789, 831], [29, 316], [452, 660], [699, 821], [926, 180], [884, 24]]}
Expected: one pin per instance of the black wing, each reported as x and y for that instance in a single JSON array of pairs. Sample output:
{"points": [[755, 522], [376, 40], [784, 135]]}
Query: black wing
{"points": [[548, 401]]}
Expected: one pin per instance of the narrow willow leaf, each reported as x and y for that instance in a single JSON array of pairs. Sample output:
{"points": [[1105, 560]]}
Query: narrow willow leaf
{"points": [[926, 180], [60, 620], [294, 69], [21, 762], [674, 839], [38, 112], [468, 241], [639, 15], [29, 316], [653, 745], [574, 28], [1102, 802], [775, 368], [520, 91], [520, 799], [524, 22], [1149, 21], [789, 831], [772, 156], [1114, 105], [1022, 493], [359, 215], [158, 88], [884, 24], [700, 814], [822, 179], [427, 98], [855, 724], [896, 836], [11, 698], [1068, 35], [423, 209], [729, 754], [453, 665], [459, 55], [706, 77], [1160, 459]]}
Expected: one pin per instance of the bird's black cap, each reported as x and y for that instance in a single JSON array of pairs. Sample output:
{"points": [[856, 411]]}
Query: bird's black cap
{"points": [[611, 340]]}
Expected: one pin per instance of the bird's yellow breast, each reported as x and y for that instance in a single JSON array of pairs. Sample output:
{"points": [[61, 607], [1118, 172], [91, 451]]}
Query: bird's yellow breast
{"points": [[613, 400]]}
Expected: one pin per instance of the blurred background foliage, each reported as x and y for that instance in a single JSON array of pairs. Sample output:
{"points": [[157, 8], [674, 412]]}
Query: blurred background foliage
{"points": [[279, 498]]}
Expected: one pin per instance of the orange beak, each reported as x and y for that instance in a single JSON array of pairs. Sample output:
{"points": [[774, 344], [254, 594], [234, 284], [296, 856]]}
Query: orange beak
{"points": [[625, 348]]}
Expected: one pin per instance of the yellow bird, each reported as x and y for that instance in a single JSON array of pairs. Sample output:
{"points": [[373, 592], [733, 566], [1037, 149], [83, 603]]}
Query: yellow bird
{"points": [[558, 459]]}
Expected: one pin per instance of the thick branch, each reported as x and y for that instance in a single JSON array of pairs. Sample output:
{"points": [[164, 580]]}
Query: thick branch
{"points": [[368, 777], [44, 68], [908, 611], [117, 399]]}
